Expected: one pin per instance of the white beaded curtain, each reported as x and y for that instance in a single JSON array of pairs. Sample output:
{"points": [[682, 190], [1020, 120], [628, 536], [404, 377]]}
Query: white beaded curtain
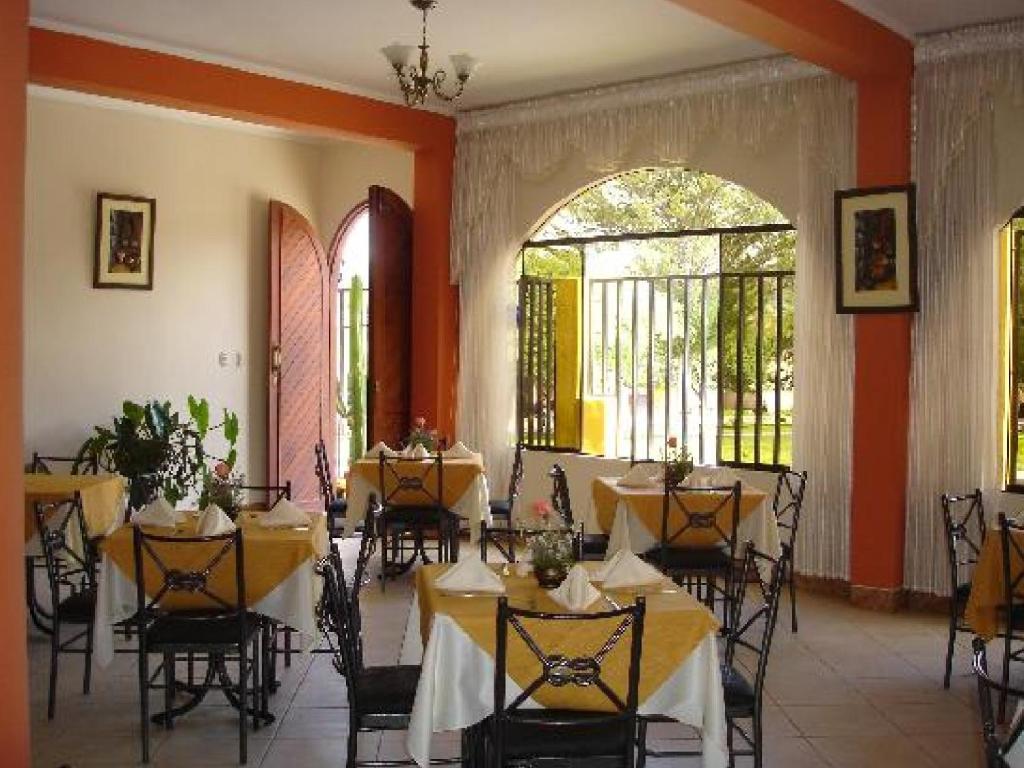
{"points": [[744, 106], [955, 380]]}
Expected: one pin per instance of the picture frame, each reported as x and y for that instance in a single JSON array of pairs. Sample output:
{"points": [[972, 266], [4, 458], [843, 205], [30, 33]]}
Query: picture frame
{"points": [[876, 250], [125, 226]]}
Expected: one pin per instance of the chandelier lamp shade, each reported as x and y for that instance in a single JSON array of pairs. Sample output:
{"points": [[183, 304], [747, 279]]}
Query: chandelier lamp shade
{"points": [[416, 80]]}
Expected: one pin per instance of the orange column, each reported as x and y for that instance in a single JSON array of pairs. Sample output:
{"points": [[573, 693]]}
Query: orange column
{"points": [[881, 392], [14, 729]]}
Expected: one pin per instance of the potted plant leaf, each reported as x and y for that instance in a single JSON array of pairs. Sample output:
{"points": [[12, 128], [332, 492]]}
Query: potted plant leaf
{"points": [[157, 449]]}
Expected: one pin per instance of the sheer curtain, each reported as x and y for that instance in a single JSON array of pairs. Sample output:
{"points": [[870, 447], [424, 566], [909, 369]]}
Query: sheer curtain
{"points": [[955, 436], [672, 119]]}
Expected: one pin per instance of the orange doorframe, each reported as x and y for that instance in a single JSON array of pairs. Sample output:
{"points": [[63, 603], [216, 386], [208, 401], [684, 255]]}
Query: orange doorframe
{"points": [[83, 64], [833, 35], [14, 724]]}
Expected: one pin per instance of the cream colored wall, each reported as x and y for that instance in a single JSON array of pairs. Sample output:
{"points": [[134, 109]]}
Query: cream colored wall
{"points": [[346, 173], [86, 350]]}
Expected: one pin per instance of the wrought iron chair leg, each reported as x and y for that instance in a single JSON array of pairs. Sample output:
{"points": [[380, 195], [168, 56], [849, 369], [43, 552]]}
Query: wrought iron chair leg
{"points": [[792, 591], [353, 743], [757, 738], [54, 656], [257, 700], [641, 744], [144, 701], [950, 644], [243, 663], [729, 730], [1006, 669], [287, 647], [169, 662], [87, 677]]}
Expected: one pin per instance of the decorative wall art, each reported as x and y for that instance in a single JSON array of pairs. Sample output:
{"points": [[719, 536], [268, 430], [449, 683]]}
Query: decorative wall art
{"points": [[124, 242], [876, 250]]}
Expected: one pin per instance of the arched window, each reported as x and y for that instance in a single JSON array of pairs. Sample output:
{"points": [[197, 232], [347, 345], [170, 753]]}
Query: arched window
{"points": [[658, 304]]}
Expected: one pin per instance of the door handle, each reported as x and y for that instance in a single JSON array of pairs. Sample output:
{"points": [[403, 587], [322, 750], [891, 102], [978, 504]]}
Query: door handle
{"points": [[275, 364]]}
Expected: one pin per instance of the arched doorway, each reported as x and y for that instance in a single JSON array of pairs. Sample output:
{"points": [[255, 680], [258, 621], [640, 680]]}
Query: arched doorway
{"points": [[658, 304], [350, 253]]}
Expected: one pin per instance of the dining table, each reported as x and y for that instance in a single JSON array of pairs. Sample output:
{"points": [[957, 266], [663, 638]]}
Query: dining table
{"points": [[453, 636], [988, 586], [101, 497], [464, 492], [632, 516], [281, 582]]}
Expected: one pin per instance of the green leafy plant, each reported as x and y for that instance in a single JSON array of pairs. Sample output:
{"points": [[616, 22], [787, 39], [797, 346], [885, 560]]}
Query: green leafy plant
{"points": [[157, 449], [356, 373], [222, 486]]}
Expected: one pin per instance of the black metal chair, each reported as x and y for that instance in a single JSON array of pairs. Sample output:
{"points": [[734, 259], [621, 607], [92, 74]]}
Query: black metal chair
{"points": [[45, 465], [699, 568], [996, 748], [755, 612], [379, 698], [787, 504], [593, 546], [221, 629], [71, 577], [503, 508], [1011, 539], [518, 736], [335, 506], [412, 505], [264, 496], [963, 519]]}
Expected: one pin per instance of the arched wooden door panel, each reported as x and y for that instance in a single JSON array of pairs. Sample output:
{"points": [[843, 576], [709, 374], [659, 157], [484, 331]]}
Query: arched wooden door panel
{"points": [[390, 315], [300, 402]]}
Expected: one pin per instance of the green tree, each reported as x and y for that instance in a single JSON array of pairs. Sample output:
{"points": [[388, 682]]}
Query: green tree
{"points": [[356, 372]]}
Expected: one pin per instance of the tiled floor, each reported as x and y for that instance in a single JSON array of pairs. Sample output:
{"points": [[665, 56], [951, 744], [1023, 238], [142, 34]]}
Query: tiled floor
{"points": [[852, 689]]}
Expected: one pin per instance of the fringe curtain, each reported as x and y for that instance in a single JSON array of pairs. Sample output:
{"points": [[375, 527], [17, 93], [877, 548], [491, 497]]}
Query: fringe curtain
{"points": [[955, 386], [744, 105]]}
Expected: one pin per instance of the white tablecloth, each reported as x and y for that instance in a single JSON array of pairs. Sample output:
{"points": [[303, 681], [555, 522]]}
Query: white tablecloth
{"points": [[292, 602], [456, 689], [760, 527], [473, 506]]}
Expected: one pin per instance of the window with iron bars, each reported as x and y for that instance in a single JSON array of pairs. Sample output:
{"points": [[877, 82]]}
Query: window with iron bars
{"points": [[617, 355], [1013, 249]]}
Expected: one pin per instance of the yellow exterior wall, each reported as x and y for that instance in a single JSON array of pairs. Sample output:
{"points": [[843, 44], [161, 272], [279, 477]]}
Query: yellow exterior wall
{"points": [[568, 319]]}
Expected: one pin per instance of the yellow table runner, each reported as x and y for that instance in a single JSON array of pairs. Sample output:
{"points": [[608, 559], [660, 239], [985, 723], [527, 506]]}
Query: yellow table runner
{"points": [[102, 498], [459, 475], [271, 556], [647, 505], [674, 625], [987, 586]]}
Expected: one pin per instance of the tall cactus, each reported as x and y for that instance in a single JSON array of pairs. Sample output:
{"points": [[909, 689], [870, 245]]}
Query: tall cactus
{"points": [[356, 372]]}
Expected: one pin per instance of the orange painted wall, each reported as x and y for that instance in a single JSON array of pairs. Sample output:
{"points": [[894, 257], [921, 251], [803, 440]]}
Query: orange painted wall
{"points": [[835, 36], [92, 66], [14, 722], [881, 387]]}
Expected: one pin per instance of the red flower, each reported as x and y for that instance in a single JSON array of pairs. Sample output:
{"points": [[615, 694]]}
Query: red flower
{"points": [[222, 470], [542, 508], [419, 422], [673, 442]]}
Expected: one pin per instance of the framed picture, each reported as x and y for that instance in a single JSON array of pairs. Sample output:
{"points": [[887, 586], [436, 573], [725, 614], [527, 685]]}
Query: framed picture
{"points": [[876, 250], [124, 242]]}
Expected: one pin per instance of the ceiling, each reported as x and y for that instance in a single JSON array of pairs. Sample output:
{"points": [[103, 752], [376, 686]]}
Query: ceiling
{"points": [[528, 48]]}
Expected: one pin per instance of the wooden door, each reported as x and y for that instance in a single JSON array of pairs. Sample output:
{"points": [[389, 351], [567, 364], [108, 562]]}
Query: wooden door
{"points": [[300, 402], [390, 316]]}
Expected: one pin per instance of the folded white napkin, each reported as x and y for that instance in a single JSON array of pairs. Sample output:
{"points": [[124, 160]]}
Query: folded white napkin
{"points": [[378, 449], [640, 475], [575, 593], [710, 476], [159, 513], [609, 562], [214, 522], [472, 575], [284, 514], [459, 451], [418, 452], [630, 571]]}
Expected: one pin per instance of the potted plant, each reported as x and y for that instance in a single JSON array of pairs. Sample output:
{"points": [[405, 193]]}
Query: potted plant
{"points": [[158, 450], [222, 486], [420, 435], [678, 462], [551, 549]]}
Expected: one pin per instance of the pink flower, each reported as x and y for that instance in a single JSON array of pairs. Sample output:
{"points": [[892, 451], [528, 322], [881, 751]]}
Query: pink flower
{"points": [[542, 508], [419, 422], [222, 470], [673, 442]]}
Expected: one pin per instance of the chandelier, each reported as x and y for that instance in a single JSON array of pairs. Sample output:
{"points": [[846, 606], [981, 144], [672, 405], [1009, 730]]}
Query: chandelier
{"points": [[416, 82]]}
